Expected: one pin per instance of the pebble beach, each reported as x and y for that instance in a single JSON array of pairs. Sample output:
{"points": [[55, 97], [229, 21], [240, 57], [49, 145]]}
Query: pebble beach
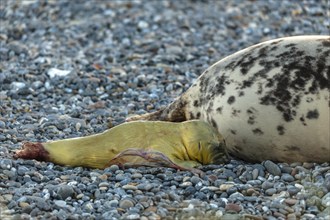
{"points": [[76, 68]]}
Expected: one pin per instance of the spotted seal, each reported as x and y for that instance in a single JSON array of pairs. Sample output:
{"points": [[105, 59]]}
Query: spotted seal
{"points": [[269, 101]]}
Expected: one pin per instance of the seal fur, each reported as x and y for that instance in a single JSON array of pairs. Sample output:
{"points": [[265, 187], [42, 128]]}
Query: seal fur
{"points": [[269, 101]]}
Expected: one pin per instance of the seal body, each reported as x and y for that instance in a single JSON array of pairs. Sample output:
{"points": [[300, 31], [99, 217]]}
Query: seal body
{"points": [[269, 101], [177, 145]]}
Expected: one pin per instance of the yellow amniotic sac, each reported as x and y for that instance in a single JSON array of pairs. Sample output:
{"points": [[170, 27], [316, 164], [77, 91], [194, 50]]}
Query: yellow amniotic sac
{"points": [[179, 145]]}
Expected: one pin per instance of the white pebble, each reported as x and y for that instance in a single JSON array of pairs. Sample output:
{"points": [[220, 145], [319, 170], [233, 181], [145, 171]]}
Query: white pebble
{"points": [[52, 72]]}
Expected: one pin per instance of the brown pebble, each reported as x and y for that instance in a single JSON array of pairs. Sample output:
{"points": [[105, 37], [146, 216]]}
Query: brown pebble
{"points": [[294, 172], [291, 216], [151, 209], [283, 211], [23, 204], [289, 209], [290, 201], [278, 214], [308, 165], [251, 192], [64, 177], [212, 178], [226, 186], [233, 207], [103, 177]]}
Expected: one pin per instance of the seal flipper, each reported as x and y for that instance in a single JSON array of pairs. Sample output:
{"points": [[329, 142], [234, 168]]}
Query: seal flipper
{"points": [[152, 158]]}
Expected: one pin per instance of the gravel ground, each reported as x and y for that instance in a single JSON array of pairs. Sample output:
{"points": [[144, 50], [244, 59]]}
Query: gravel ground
{"points": [[73, 68]]}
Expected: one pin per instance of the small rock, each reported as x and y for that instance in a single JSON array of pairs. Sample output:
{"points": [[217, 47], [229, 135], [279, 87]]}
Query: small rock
{"points": [[267, 185], [2, 123], [22, 170], [145, 186], [65, 191], [126, 203], [60, 203], [290, 201], [272, 168], [287, 177], [113, 168], [270, 191], [129, 187], [120, 177], [133, 217], [143, 25], [226, 186], [17, 85], [326, 200], [6, 164], [52, 72], [255, 173], [233, 207]]}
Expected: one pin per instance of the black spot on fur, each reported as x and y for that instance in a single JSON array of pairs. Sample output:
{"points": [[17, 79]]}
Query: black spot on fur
{"points": [[297, 71], [233, 132], [198, 115], [247, 83], [290, 45], [259, 91], [231, 100], [210, 107], [273, 48], [220, 86], [219, 110], [195, 103], [313, 114], [280, 130], [175, 112], [214, 124], [252, 115], [257, 131], [235, 112], [251, 120], [191, 116], [302, 119]]}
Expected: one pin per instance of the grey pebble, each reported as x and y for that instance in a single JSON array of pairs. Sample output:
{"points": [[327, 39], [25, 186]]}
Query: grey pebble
{"points": [[126, 203], [6, 164], [270, 191], [22, 170], [145, 186], [287, 177], [113, 168], [267, 185], [60, 203], [272, 168], [2, 124], [194, 180], [120, 177], [65, 191]]}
